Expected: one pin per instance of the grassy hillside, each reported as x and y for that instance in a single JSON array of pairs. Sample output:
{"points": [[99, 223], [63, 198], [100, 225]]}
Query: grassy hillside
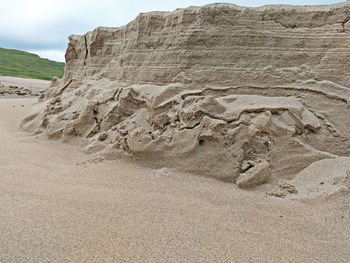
{"points": [[26, 65]]}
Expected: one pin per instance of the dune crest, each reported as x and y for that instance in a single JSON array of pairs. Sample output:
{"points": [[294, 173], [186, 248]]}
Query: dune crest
{"points": [[238, 94]]}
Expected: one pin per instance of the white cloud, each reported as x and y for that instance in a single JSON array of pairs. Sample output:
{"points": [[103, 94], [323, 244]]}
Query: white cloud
{"points": [[52, 54]]}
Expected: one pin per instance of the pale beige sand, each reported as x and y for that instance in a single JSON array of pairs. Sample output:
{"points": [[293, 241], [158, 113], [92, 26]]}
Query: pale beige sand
{"points": [[24, 82], [244, 95], [13, 86], [55, 206]]}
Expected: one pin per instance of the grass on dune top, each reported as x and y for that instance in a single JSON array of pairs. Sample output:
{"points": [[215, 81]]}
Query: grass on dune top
{"points": [[27, 65]]}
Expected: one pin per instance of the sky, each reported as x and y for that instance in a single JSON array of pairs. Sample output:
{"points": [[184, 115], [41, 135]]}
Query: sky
{"points": [[43, 26]]}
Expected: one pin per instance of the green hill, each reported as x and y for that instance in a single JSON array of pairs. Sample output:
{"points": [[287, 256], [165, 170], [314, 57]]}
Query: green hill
{"points": [[27, 65]]}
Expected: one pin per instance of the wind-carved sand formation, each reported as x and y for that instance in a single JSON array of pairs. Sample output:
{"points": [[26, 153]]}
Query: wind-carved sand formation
{"points": [[244, 95]]}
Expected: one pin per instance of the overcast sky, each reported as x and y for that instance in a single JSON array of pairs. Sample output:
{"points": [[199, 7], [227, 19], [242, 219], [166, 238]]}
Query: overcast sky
{"points": [[43, 26]]}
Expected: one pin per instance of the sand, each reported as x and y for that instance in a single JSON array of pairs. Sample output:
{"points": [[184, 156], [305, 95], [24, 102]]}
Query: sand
{"points": [[210, 134], [219, 90], [58, 204], [14, 86], [25, 82]]}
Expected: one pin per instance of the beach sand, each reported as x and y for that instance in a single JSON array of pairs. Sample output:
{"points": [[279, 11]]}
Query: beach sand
{"points": [[58, 204], [24, 82]]}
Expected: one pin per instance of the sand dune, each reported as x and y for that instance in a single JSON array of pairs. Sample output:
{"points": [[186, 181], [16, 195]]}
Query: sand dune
{"points": [[215, 90]]}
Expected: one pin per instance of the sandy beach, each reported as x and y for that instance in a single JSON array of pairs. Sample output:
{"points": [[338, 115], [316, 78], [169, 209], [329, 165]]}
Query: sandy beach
{"points": [[214, 133], [24, 82], [60, 205], [14, 87]]}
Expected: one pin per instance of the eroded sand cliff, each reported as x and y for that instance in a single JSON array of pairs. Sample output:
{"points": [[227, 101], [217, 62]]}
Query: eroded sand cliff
{"points": [[245, 95]]}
